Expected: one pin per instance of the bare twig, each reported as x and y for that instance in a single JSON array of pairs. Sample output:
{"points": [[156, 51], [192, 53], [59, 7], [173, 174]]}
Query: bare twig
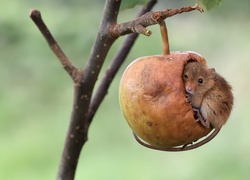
{"points": [[115, 65], [78, 128], [102, 43], [35, 15], [139, 25]]}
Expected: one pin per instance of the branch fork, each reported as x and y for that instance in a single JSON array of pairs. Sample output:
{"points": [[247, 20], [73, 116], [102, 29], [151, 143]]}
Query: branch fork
{"points": [[139, 25]]}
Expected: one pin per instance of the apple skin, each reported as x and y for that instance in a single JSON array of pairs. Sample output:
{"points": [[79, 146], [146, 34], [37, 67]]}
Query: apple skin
{"points": [[153, 101]]}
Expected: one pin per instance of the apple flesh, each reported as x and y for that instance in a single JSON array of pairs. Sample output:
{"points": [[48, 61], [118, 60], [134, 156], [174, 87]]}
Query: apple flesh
{"points": [[153, 100]]}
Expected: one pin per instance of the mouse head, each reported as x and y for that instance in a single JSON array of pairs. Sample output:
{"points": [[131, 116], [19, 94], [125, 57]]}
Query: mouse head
{"points": [[198, 79]]}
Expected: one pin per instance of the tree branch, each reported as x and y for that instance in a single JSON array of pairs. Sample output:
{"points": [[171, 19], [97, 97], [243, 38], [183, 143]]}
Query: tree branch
{"points": [[115, 65], [138, 25], [102, 43], [35, 15], [78, 128]]}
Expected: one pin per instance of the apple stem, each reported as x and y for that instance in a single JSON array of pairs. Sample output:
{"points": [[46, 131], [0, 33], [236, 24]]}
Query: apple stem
{"points": [[164, 36]]}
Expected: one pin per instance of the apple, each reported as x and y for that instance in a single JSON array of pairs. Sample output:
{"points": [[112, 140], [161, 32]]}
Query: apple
{"points": [[153, 100]]}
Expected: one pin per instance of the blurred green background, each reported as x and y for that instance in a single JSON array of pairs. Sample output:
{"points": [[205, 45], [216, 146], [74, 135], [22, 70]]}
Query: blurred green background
{"points": [[36, 94]]}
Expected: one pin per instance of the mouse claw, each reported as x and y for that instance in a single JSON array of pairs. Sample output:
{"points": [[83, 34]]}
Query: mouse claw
{"points": [[197, 120], [188, 99]]}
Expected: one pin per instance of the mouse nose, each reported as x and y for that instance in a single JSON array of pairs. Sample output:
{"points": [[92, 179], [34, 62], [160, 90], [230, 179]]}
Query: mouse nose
{"points": [[189, 89]]}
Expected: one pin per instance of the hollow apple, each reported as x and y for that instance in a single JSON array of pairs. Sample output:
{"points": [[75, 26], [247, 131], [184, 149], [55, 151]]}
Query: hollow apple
{"points": [[153, 100]]}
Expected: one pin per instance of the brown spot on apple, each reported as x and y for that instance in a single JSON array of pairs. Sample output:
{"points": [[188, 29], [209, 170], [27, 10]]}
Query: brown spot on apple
{"points": [[149, 123]]}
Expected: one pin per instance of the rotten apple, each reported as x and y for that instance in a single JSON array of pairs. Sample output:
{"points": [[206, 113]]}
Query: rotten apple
{"points": [[153, 100]]}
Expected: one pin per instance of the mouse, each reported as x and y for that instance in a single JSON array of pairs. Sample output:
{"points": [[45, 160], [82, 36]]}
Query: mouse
{"points": [[211, 98], [209, 94]]}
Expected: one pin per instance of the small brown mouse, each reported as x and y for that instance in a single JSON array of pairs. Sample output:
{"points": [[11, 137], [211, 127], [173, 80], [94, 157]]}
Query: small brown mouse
{"points": [[209, 94]]}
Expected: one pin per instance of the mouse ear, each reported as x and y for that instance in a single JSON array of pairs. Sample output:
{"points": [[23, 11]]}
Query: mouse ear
{"points": [[211, 70]]}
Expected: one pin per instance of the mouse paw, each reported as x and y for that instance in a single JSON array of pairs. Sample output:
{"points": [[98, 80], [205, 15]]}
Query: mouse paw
{"points": [[188, 98], [196, 114], [199, 118]]}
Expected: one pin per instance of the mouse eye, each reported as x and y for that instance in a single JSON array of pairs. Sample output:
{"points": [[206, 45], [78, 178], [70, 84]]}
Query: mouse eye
{"points": [[200, 80], [185, 76]]}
